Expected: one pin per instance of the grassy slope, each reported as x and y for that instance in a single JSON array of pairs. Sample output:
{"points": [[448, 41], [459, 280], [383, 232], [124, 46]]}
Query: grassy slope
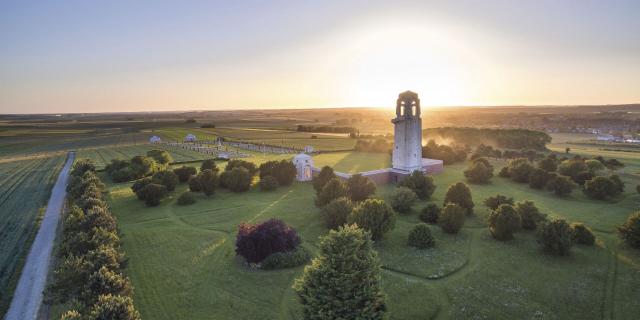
{"points": [[183, 265]]}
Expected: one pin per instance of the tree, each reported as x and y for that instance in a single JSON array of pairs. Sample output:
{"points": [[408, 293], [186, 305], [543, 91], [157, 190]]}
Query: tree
{"points": [[601, 188], [209, 164], [194, 184], [548, 164], [166, 178], [451, 218], [153, 193], [421, 184], [268, 183], [106, 281], [430, 213], [402, 199], [337, 212], [561, 185], [160, 156], [530, 215], [555, 237], [255, 242], [360, 188], [594, 165], [238, 179], [638, 188], [235, 163], [479, 172], [114, 308], [538, 178], [334, 189], [630, 230], [504, 222], [71, 315], [284, 171], [141, 166], [573, 168], [617, 182], [581, 234], [184, 173], [494, 202], [325, 175], [375, 216], [519, 169], [504, 172], [208, 180], [186, 198], [614, 164], [81, 166], [460, 194], [420, 236], [138, 187], [343, 282]]}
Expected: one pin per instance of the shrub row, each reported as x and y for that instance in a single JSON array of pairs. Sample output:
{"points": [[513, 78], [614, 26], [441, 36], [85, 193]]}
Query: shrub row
{"points": [[89, 274]]}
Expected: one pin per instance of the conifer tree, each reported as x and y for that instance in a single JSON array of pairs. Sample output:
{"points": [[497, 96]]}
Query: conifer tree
{"points": [[343, 282]]}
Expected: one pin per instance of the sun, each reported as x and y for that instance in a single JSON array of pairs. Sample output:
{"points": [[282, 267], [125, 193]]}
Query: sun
{"points": [[380, 62]]}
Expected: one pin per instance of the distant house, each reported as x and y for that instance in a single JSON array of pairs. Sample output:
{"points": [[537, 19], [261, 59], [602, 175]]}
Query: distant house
{"points": [[190, 138], [155, 140]]}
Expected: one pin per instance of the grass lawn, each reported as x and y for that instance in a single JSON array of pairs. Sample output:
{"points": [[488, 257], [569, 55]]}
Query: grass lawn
{"points": [[183, 265]]}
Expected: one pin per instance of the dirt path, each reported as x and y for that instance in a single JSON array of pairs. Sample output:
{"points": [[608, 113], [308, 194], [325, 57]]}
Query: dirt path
{"points": [[28, 295]]}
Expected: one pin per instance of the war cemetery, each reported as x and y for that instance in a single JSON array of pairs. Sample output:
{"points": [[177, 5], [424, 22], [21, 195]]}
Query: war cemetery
{"points": [[260, 222]]}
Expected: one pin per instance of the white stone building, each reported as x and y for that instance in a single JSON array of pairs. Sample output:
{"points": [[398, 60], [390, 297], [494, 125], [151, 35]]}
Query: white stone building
{"points": [[304, 167], [190, 138]]}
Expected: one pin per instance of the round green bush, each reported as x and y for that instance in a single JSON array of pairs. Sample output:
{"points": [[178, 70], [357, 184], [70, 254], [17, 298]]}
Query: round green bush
{"points": [[402, 199], [581, 234], [460, 194], [430, 213], [268, 183], [451, 218], [287, 259], [420, 236], [503, 222], [555, 237], [375, 216], [420, 183], [194, 184], [337, 212], [360, 188], [332, 190], [494, 202], [153, 193], [530, 215], [186, 198], [238, 179], [630, 230]]}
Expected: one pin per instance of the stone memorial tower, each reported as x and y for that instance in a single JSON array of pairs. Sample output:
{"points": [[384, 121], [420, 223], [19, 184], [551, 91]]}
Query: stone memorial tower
{"points": [[407, 146]]}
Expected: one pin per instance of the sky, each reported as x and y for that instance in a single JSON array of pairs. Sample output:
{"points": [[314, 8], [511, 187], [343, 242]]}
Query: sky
{"points": [[114, 56]]}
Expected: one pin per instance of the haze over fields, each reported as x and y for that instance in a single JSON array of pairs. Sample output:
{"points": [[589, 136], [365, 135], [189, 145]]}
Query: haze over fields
{"points": [[164, 55]]}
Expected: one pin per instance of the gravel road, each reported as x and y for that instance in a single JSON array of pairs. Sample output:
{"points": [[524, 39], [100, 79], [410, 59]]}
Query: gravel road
{"points": [[28, 295]]}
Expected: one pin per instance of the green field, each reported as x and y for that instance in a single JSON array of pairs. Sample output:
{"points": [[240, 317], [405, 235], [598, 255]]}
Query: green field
{"points": [[276, 137], [183, 265], [24, 189], [102, 156]]}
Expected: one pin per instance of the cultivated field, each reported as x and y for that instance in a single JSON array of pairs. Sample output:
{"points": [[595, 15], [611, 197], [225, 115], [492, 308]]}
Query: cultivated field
{"points": [[24, 190], [183, 265]]}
